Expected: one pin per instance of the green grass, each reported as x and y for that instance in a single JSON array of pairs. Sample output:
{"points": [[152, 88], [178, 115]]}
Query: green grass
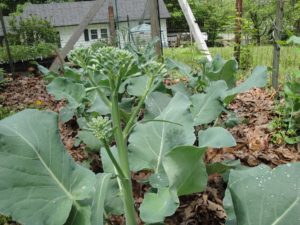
{"points": [[262, 55]]}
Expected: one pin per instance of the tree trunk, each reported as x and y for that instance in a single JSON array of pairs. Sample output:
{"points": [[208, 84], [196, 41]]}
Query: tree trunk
{"points": [[277, 37], [238, 29]]}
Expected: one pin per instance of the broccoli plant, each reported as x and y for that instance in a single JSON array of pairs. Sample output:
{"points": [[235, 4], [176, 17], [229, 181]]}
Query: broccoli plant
{"points": [[121, 104]]}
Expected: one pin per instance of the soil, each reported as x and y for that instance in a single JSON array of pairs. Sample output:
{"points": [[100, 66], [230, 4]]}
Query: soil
{"points": [[254, 146]]}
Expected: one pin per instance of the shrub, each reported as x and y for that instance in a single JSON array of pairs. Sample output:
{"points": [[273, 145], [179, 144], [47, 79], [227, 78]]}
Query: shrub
{"points": [[31, 31], [24, 53]]}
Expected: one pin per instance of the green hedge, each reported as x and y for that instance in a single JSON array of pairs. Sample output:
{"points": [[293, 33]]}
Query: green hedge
{"points": [[25, 53]]}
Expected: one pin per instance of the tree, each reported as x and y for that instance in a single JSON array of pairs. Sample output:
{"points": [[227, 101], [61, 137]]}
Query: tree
{"points": [[213, 16], [10, 6], [177, 23], [259, 13]]}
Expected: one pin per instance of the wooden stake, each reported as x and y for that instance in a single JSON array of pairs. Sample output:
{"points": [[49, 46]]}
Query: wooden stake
{"points": [[77, 33], [155, 28], [277, 37], [199, 38], [11, 64], [111, 19], [238, 29]]}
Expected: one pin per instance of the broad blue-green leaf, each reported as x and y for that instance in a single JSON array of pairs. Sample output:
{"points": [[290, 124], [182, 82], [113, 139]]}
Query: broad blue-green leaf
{"points": [[99, 199], [113, 202], [159, 180], [258, 78], [80, 215], [155, 104], [66, 114], [63, 88], [48, 75], [39, 181], [207, 107], [157, 206], [135, 86], [99, 106], [262, 195], [180, 87], [186, 170], [108, 166], [181, 67], [151, 141], [90, 140], [215, 137], [72, 74], [222, 167], [223, 70]]}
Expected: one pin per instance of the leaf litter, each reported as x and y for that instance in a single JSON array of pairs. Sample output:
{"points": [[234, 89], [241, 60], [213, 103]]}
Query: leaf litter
{"points": [[254, 146]]}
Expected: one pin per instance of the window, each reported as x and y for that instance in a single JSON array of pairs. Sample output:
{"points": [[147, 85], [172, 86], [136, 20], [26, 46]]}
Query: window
{"points": [[86, 35], [94, 34], [104, 33]]}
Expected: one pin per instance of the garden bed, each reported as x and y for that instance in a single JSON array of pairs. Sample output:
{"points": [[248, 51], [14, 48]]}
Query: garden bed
{"points": [[254, 146]]}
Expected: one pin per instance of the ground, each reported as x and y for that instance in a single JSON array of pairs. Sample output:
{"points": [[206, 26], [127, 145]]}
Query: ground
{"points": [[254, 146]]}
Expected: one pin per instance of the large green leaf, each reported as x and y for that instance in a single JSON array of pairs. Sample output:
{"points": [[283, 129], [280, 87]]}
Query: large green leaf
{"points": [[223, 70], [264, 196], [136, 86], [97, 105], [151, 141], [172, 64], [215, 137], [39, 181], [90, 140], [107, 165], [207, 107], [99, 199], [155, 104], [80, 215], [113, 201], [63, 88], [157, 206], [186, 170], [258, 78]]}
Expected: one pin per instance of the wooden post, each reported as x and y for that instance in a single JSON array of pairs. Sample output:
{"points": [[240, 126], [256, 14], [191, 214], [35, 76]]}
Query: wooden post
{"points": [[155, 29], [77, 33], [194, 28], [277, 37], [238, 29], [111, 19], [12, 68]]}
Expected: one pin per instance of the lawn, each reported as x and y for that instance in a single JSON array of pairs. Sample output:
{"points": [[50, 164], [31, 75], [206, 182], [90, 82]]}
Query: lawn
{"points": [[261, 55]]}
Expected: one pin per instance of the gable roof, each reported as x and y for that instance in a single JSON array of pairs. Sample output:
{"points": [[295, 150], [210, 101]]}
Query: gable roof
{"points": [[71, 13]]}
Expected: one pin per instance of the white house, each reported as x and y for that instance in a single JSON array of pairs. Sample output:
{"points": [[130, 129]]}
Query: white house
{"points": [[66, 16]]}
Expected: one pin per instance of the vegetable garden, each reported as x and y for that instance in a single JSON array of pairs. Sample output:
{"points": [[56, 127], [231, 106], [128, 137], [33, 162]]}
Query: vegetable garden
{"points": [[150, 149]]}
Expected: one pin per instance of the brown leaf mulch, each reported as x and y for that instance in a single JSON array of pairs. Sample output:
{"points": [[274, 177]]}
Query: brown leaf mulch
{"points": [[30, 92]]}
